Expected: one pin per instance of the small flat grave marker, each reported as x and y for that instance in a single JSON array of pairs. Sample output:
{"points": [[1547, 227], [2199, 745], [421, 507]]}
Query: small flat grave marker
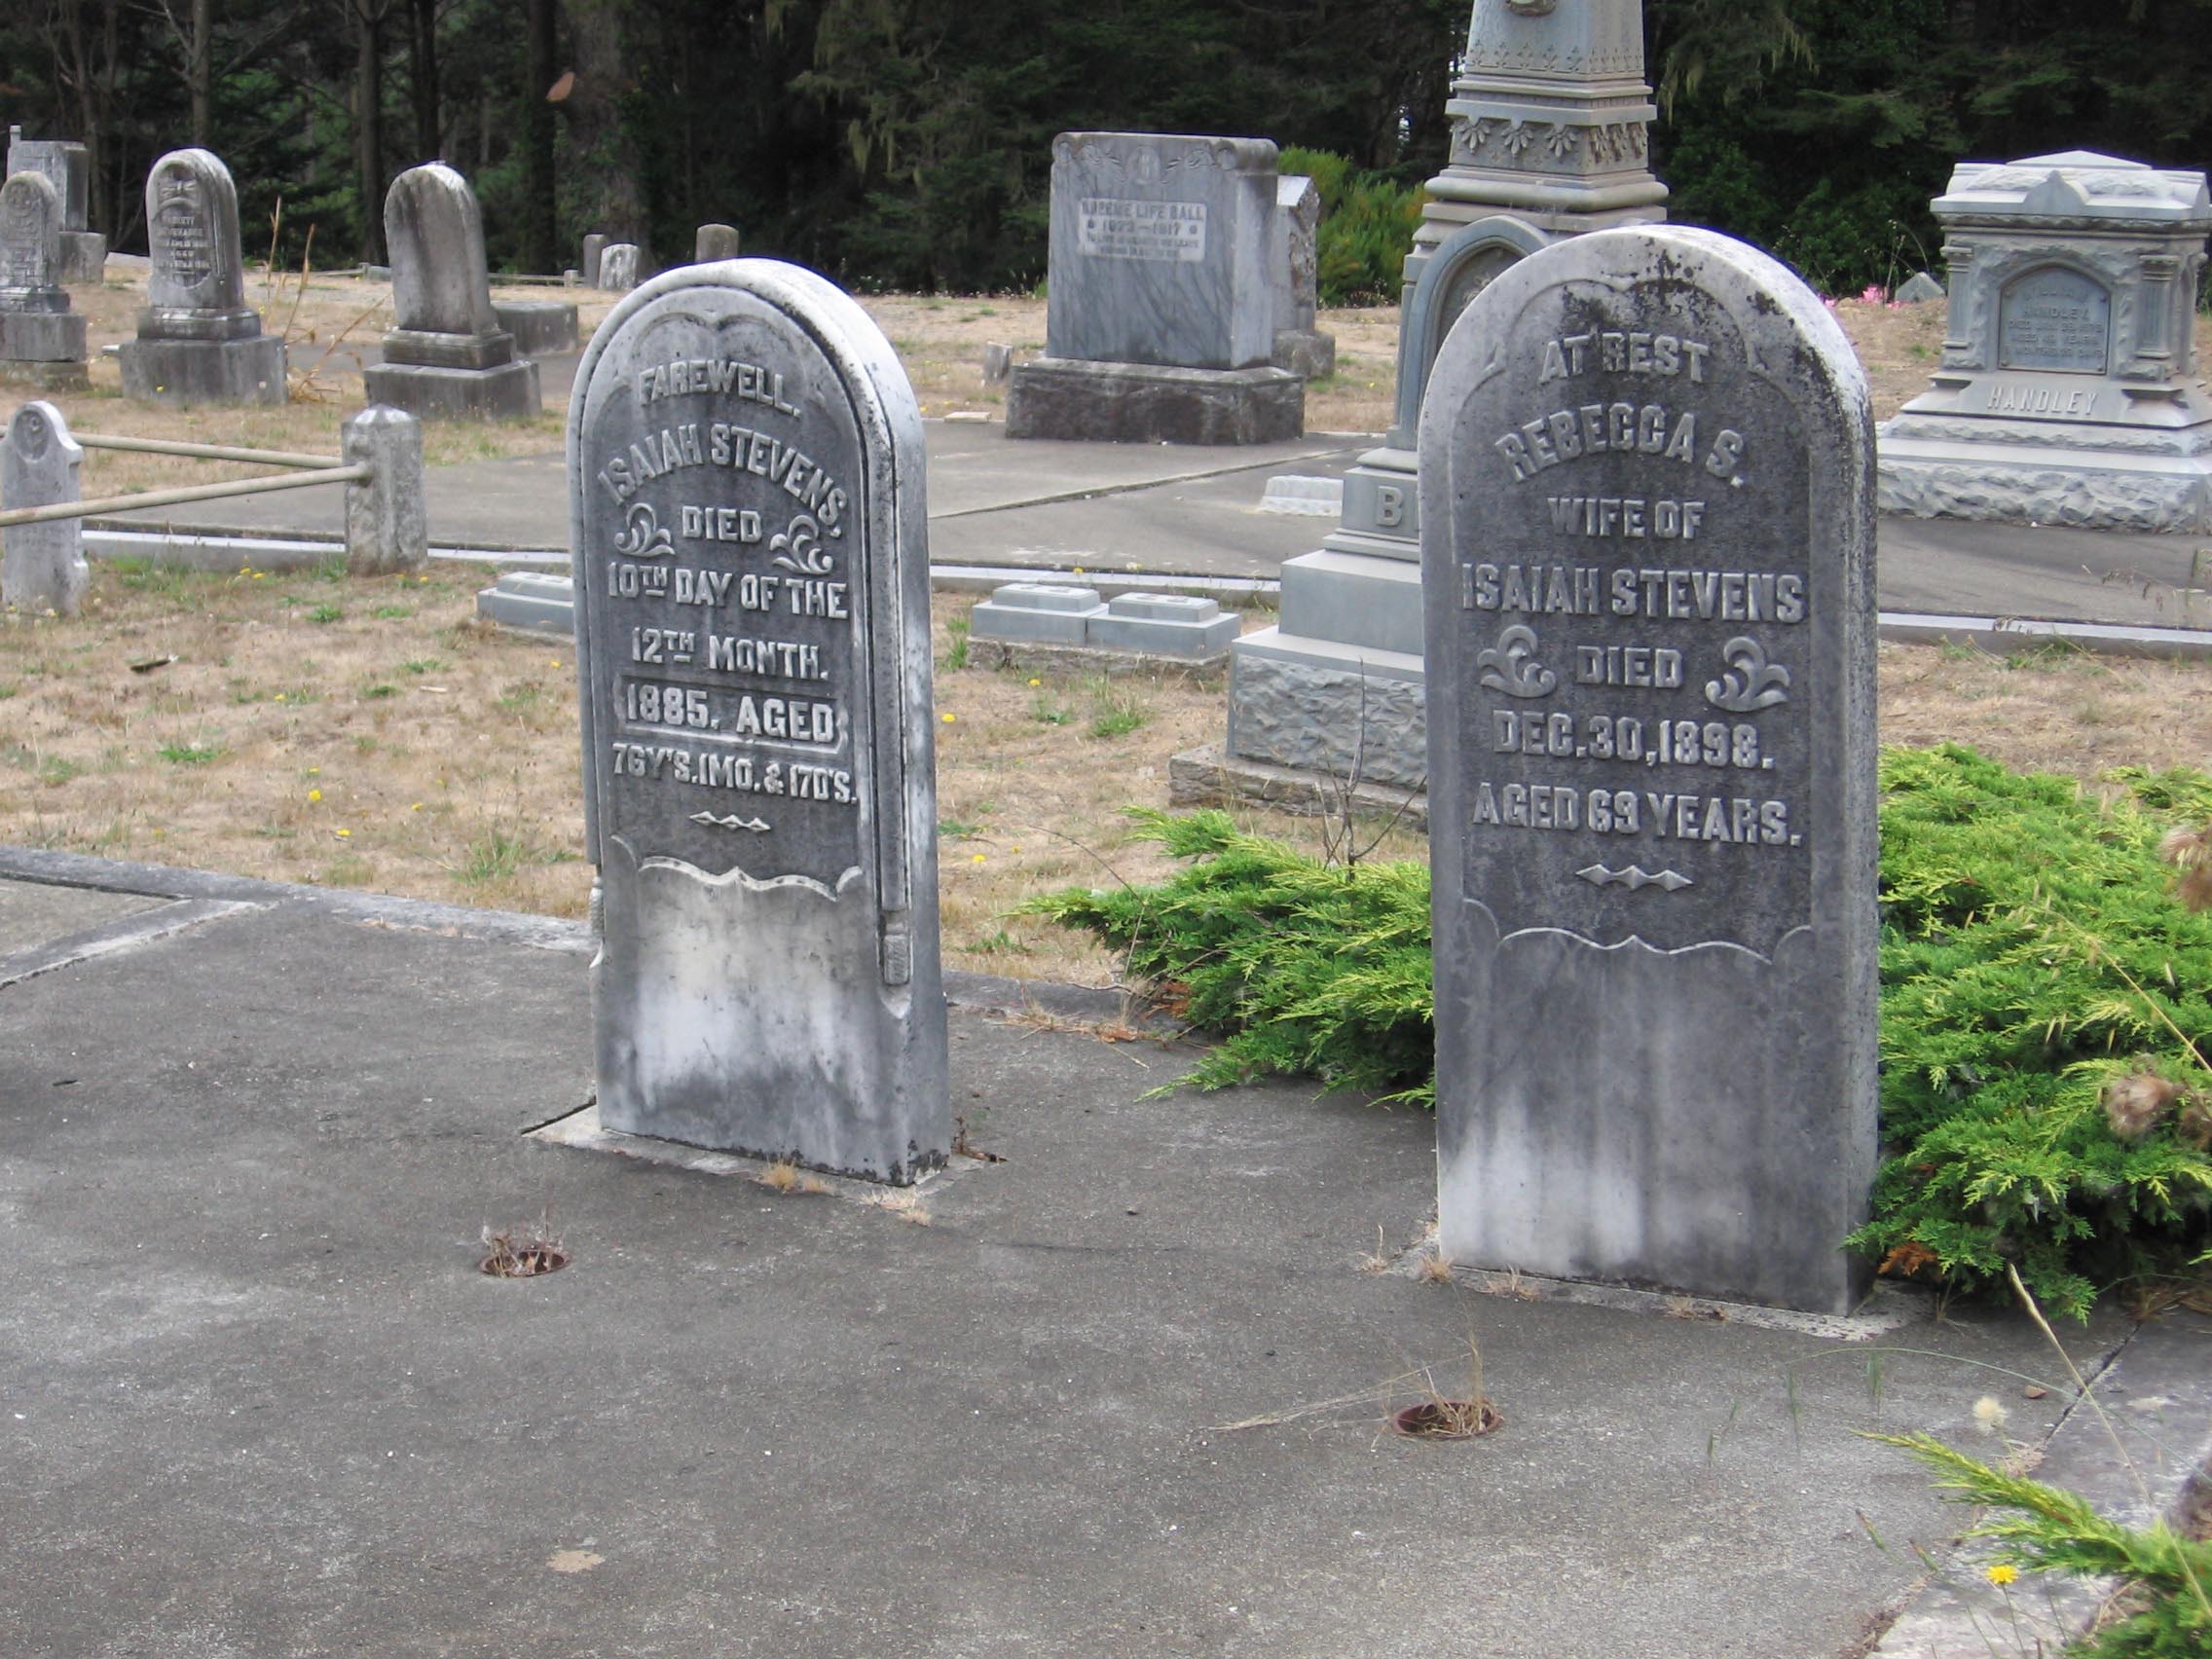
{"points": [[1648, 521], [746, 471]]}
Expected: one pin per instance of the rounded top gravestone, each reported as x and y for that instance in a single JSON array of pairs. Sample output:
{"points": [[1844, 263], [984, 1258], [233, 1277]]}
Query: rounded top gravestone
{"points": [[192, 229], [31, 245], [1647, 462], [42, 565], [750, 558], [440, 283]]}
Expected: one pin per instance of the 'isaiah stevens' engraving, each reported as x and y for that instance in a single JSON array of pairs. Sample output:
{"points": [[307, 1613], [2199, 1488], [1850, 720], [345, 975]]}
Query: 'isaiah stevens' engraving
{"points": [[1647, 539], [751, 561]]}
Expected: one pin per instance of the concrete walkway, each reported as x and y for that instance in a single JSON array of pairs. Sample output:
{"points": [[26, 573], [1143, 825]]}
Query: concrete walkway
{"points": [[255, 1398], [1194, 511]]}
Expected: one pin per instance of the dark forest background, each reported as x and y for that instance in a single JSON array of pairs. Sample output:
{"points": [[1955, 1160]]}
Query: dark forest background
{"points": [[907, 143]]}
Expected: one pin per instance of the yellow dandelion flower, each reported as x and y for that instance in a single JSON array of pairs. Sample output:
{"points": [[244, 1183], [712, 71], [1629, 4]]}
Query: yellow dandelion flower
{"points": [[314, 795], [976, 858], [259, 574], [315, 771], [947, 718], [1036, 682], [2003, 1572], [417, 807], [345, 834], [280, 696]]}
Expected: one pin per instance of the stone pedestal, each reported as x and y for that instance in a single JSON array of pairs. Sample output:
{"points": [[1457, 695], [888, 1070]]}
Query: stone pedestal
{"points": [[184, 372], [1139, 403], [2067, 393], [507, 391]]}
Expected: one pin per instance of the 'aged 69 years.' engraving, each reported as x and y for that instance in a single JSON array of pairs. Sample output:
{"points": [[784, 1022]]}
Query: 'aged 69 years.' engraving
{"points": [[1647, 582], [746, 467]]}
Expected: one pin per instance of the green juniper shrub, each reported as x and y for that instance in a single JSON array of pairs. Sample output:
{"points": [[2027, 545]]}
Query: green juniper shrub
{"points": [[2044, 1016]]}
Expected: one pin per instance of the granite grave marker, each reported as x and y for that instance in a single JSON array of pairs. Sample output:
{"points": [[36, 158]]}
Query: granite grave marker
{"points": [[199, 342], [1647, 530], [446, 355], [42, 565], [2067, 392], [619, 266], [68, 167], [594, 245], [712, 243], [1161, 312], [751, 568], [41, 341]]}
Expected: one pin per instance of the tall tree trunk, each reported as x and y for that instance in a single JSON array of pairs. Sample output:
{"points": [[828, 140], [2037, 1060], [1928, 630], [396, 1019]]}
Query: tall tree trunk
{"points": [[368, 124], [539, 236], [423, 70], [605, 190], [200, 70]]}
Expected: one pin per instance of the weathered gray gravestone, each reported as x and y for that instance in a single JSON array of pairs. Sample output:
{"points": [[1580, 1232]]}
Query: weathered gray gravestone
{"points": [[41, 341], [594, 245], [750, 558], [1160, 317], [68, 167], [447, 355], [1646, 469], [2068, 390], [712, 243], [542, 328], [619, 266], [388, 526], [43, 565], [1296, 270], [199, 342]]}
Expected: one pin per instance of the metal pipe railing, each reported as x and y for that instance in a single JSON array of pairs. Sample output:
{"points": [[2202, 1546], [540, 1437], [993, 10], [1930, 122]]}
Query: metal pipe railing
{"points": [[205, 451], [322, 475]]}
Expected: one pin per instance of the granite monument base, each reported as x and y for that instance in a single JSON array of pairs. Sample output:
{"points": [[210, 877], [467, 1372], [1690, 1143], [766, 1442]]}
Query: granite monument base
{"points": [[542, 328], [508, 392], [83, 257], [181, 372], [1329, 710], [1137, 403], [58, 375], [42, 337], [1210, 775], [2084, 477], [1308, 354]]}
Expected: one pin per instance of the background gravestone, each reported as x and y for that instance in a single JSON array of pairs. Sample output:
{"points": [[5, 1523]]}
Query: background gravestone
{"points": [[68, 167], [42, 565], [446, 355], [199, 342], [2067, 391], [594, 245], [750, 558], [1647, 533], [41, 341], [1161, 314], [1296, 270], [619, 266], [712, 243]]}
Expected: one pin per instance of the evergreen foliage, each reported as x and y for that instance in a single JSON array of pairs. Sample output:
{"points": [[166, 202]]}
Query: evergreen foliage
{"points": [[2032, 959], [2048, 1530], [1368, 221]]}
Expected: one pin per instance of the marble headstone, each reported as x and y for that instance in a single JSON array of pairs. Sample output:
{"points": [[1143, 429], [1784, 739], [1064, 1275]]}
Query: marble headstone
{"points": [[68, 167], [446, 355], [42, 565], [199, 342], [712, 243], [1647, 520], [594, 245], [41, 341], [1161, 311], [1296, 270], [619, 266], [752, 583], [2067, 392]]}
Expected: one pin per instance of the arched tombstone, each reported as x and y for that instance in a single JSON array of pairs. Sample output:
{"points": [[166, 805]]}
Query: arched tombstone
{"points": [[752, 610], [446, 355], [41, 341], [199, 342], [1647, 479], [42, 567]]}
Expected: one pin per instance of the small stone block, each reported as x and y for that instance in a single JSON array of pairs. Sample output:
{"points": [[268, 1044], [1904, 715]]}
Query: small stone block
{"points": [[509, 392], [1163, 624], [1037, 610], [1322, 497], [998, 363], [715, 243], [542, 328], [531, 600], [42, 337]]}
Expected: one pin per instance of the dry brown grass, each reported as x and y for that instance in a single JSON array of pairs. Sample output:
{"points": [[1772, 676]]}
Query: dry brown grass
{"points": [[372, 734]]}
